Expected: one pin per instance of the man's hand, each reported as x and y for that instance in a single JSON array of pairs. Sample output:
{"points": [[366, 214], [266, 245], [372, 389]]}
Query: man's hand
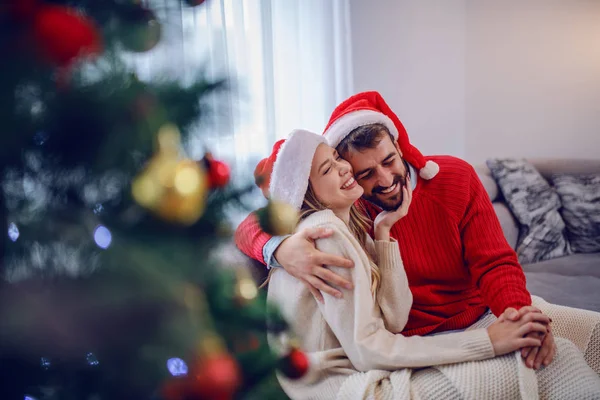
{"points": [[534, 357], [299, 257], [386, 219]]}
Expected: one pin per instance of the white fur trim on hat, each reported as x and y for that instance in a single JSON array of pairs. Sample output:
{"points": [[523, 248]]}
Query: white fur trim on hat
{"points": [[348, 122], [430, 170], [289, 179]]}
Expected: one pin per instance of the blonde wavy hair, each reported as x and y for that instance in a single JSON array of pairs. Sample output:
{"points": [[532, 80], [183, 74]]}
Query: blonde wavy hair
{"points": [[358, 224]]}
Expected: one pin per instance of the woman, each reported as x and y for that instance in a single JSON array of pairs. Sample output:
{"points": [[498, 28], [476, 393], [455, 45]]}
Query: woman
{"points": [[351, 341]]}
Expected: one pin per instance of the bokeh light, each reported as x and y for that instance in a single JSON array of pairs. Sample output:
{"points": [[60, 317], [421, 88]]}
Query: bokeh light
{"points": [[248, 289], [177, 366], [91, 359], [40, 138], [98, 208], [102, 237], [45, 363], [146, 191], [13, 232], [187, 179]]}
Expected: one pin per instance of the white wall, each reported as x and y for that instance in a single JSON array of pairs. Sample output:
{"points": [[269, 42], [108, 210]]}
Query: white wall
{"points": [[413, 53], [533, 79], [485, 78]]}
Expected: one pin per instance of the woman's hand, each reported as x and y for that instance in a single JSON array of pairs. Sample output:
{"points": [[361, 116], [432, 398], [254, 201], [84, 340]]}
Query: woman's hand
{"points": [[386, 219], [508, 336]]}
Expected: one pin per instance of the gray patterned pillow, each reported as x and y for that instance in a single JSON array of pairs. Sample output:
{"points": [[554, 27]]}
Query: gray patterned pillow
{"points": [[580, 197], [535, 205]]}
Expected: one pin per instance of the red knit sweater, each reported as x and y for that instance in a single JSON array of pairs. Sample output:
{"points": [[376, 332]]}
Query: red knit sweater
{"points": [[455, 255]]}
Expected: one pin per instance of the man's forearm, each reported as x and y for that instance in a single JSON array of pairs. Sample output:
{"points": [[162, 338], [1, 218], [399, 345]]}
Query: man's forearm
{"points": [[493, 264], [269, 251], [505, 287], [251, 239]]}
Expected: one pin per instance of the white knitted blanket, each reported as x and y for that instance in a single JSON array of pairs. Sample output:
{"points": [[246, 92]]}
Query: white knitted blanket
{"points": [[498, 378], [569, 376]]}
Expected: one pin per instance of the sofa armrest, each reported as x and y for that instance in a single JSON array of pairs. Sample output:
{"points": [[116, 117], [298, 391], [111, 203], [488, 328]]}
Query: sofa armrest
{"points": [[508, 223]]}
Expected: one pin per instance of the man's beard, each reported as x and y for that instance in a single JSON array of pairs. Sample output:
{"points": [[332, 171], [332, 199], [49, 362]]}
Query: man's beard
{"points": [[392, 203]]}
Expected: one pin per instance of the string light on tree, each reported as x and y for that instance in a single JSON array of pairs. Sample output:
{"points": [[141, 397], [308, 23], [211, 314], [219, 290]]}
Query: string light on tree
{"points": [[177, 367], [245, 287]]}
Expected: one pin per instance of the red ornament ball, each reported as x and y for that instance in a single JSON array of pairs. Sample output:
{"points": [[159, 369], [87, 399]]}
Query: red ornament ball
{"points": [[216, 378], [62, 35], [295, 364], [218, 173]]}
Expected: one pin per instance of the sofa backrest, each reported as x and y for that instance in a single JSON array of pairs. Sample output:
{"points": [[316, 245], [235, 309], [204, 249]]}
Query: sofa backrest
{"points": [[547, 168]]}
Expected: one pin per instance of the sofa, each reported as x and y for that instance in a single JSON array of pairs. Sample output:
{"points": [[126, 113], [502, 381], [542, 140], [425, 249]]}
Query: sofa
{"points": [[573, 280]]}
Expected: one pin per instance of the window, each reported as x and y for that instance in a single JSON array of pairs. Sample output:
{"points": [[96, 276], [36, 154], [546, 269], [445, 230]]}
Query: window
{"points": [[288, 61]]}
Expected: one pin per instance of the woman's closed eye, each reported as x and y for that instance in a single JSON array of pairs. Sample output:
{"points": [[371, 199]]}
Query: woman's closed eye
{"points": [[337, 158]]}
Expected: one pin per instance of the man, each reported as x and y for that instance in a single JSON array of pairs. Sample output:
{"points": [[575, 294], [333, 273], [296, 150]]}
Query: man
{"points": [[455, 255]]}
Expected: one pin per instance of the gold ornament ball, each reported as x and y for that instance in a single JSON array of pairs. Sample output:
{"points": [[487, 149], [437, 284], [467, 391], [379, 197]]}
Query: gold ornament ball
{"points": [[185, 201], [183, 210], [169, 139], [151, 185], [173, 189], [189, 179], [278, 218], [146, 190], [163, 168]]}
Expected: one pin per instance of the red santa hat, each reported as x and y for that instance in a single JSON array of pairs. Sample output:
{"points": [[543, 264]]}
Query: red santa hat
{"points": [[368, 108], [284, 174]]}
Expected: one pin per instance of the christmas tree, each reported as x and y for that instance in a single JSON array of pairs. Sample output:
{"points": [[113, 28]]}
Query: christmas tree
{"points": [[113, 285]]}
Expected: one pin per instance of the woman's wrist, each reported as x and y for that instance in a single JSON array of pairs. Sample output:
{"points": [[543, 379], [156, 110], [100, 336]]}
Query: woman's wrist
{"points": [[382, 233]]}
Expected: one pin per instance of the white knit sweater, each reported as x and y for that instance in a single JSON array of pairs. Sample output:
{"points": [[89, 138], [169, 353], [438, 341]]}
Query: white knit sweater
{"points": [[346, 336], [356, 333]]}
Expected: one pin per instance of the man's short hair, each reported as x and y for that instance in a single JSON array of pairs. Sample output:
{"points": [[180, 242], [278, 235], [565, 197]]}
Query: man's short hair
{"points": [[364, 137]]}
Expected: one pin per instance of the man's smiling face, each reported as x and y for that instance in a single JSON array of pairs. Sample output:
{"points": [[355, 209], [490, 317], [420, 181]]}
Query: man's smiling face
{"points": [[380, 171]]}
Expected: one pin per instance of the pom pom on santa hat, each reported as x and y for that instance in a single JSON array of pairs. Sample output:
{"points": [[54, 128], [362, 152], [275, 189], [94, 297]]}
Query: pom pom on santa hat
{"points": [[368, 108], [264, 169]]}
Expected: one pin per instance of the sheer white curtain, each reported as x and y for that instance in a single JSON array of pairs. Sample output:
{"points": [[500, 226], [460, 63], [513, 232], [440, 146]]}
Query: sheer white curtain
{"points": [[289, 62]]}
